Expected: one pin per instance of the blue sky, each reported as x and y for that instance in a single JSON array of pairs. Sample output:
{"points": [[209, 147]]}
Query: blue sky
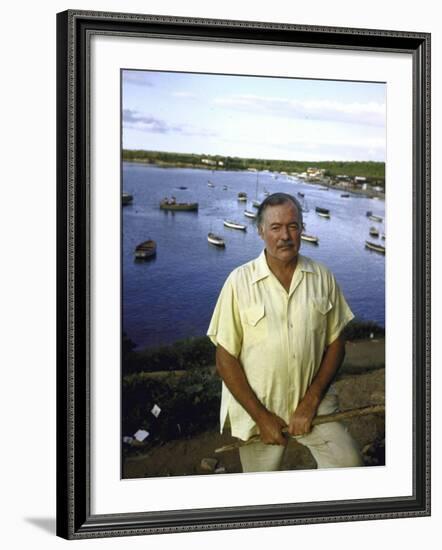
{"points": [[260, 117]]}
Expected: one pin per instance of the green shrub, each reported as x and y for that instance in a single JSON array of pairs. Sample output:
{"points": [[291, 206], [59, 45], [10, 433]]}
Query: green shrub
{"points": [[358, 329], [189, 404], [181, 355]]}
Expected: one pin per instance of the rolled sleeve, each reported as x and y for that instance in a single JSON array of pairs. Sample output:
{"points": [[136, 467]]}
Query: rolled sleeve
{"points": [[225, 327], [339, 315]]}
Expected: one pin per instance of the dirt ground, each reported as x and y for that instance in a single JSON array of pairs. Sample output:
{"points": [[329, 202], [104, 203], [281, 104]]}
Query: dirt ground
{"points": [[360, 383]]}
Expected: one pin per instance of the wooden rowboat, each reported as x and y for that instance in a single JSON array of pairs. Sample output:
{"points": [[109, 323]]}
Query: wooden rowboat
{"points": [[146, 250]]}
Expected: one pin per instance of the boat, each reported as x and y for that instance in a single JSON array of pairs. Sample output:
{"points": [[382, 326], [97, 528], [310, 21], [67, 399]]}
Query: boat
{"points": [[323, 212], [374, 232], [126, 198], [216, 240], [383, 236], [250, 214], [310, 238], [235, 225], [146, 250], [376, 247], [225, 187], [242, 196], [300, 194], [345, 195], [171, 204], [374, 218], [256, 204], [210, 184], [182, 187]]}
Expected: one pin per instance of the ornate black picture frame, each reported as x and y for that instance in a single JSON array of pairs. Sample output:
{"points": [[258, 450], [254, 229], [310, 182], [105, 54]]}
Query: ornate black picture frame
{"points": [[74, 32]]}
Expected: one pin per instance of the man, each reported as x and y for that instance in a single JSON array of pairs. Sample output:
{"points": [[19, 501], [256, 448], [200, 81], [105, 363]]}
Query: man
{"points": [[277, 327]]}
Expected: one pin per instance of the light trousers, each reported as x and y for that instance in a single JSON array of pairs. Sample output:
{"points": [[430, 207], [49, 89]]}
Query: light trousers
{"points": [[331, 445]]}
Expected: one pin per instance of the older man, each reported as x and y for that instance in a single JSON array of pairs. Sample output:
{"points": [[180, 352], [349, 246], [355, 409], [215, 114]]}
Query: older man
{"points": [[277, 328]]}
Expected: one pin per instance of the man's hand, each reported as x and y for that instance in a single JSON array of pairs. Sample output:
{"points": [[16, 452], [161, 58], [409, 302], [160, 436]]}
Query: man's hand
{"points": [[301, 419], [270, 426]]}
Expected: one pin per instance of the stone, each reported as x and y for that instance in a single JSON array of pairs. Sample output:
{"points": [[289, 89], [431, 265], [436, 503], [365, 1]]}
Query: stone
{"points": [[209, 464]]}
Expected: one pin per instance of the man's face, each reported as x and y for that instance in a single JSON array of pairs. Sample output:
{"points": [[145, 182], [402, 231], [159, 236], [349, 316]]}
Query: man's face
{"points": [[281, 231]]}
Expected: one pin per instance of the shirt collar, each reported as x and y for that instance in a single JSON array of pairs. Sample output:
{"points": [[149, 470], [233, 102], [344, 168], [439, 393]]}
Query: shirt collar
{"points": [[262, 269]]}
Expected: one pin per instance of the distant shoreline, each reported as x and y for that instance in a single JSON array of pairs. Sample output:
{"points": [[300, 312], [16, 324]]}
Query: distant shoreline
{"points": [[169, 164]]}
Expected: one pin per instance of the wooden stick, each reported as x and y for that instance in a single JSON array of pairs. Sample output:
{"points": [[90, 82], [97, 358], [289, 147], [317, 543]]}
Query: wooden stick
{"points": [[323, 419]]}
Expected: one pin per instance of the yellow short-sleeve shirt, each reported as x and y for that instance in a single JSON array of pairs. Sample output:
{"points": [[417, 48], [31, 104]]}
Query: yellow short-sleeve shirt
{"points": [[279, 337]]}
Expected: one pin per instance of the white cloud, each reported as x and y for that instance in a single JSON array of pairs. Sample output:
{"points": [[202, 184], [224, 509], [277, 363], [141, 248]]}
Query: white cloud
{"points": [[370, 113]]}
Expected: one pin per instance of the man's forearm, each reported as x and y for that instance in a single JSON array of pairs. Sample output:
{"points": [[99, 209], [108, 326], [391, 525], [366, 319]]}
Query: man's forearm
{"points": [[302, 417], [231, 371], [233, 375], [332, 360]]}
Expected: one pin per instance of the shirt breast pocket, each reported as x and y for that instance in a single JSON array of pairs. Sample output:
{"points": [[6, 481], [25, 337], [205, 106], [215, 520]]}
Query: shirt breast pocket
{"points": [[255, 324], [319, 310]]}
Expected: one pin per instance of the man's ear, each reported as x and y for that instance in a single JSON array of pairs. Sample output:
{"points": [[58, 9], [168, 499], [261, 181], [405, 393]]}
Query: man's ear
{"points": [[260, 230]]}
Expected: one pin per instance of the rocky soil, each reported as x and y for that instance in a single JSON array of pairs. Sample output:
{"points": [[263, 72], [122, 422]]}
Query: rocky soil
{"points": [[361, 382]]}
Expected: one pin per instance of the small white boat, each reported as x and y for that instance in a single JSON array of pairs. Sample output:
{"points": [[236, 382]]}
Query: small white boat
{"points": [[235, 225], [310, 238], [376, 247], [323, 212], [373, 217], [242, 197], [374, 232], [250, 214], [216, 240], [210, 184], [256, 204]]}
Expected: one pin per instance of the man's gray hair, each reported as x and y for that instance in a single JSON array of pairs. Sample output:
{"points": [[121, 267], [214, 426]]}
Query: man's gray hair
{"points": [[276, 199]]}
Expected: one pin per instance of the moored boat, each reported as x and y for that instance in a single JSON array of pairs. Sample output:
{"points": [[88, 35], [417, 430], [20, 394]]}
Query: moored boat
{"points": [[256, 204], [323, 212], [250, 214], [216, 240], [376, 247], [345, 195], [374, 232], [210, 184], [374, 218], [300, 194], [171, 204], [126, 198], [146, 250], [242, 196], [235, 225], [310, 238]]}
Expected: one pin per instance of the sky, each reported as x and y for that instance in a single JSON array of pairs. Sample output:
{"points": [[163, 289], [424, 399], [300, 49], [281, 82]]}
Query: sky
{"points": [[253, 116]]}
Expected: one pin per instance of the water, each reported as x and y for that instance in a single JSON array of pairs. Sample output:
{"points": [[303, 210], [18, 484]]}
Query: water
{"points": [[173, 295]]}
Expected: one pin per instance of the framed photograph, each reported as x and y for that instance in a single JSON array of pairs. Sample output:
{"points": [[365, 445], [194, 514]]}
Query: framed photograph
{"points": [[195, 160]]}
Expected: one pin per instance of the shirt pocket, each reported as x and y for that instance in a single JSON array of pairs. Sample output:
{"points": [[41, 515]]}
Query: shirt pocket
{"points": [[321, 305], [255, 324]]}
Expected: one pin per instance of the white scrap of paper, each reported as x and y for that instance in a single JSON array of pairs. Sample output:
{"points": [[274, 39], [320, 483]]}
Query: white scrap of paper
{"points": [[141, 435], [156, 411]]}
